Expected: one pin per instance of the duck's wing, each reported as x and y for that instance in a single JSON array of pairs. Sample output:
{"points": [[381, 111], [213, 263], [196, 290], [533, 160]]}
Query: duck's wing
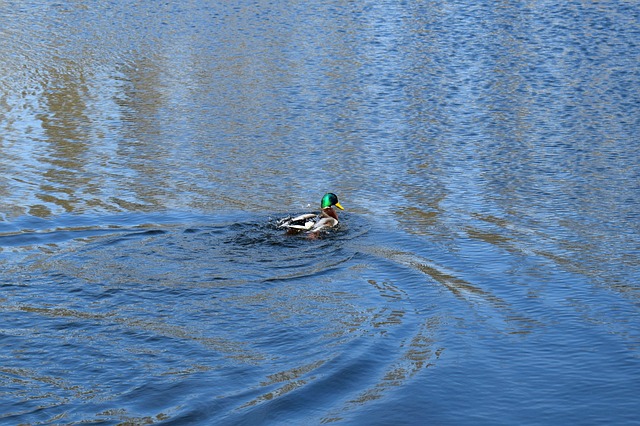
{"points": [[325, 222], [303, 222], [304, 217]]}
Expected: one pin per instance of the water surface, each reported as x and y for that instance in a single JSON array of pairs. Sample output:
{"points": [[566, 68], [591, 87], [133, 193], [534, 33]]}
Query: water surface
{"points": [[485, 270]]}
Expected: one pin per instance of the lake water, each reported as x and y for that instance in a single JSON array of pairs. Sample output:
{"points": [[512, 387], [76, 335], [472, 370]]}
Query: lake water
{"points": [[486, 269]]}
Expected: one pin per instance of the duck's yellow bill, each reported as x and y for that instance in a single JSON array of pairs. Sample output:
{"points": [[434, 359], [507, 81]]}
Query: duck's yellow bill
{"points": [[339, 206]]}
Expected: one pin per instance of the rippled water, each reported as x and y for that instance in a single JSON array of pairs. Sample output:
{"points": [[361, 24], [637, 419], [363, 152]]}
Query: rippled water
{"points": [[485, 270]]}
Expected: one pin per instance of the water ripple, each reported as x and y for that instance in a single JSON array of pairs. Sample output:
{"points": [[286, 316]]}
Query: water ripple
{"points": [[486, 154]]}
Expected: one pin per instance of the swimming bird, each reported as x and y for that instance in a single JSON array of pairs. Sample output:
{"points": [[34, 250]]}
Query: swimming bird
{"points": [[313, 222]]}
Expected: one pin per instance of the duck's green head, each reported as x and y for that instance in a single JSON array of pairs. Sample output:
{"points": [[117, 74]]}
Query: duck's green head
{"points": [[329, 200]]}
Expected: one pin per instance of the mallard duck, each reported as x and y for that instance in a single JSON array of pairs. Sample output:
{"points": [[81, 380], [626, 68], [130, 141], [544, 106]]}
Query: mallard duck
{"points": [[313, 222]]}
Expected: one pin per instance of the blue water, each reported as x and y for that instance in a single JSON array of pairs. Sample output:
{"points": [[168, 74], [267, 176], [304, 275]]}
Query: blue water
{"points": [[485, 269]]}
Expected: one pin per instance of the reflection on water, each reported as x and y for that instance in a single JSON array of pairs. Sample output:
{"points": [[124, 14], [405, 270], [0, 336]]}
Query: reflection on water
{"points": [[487, 157]]}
